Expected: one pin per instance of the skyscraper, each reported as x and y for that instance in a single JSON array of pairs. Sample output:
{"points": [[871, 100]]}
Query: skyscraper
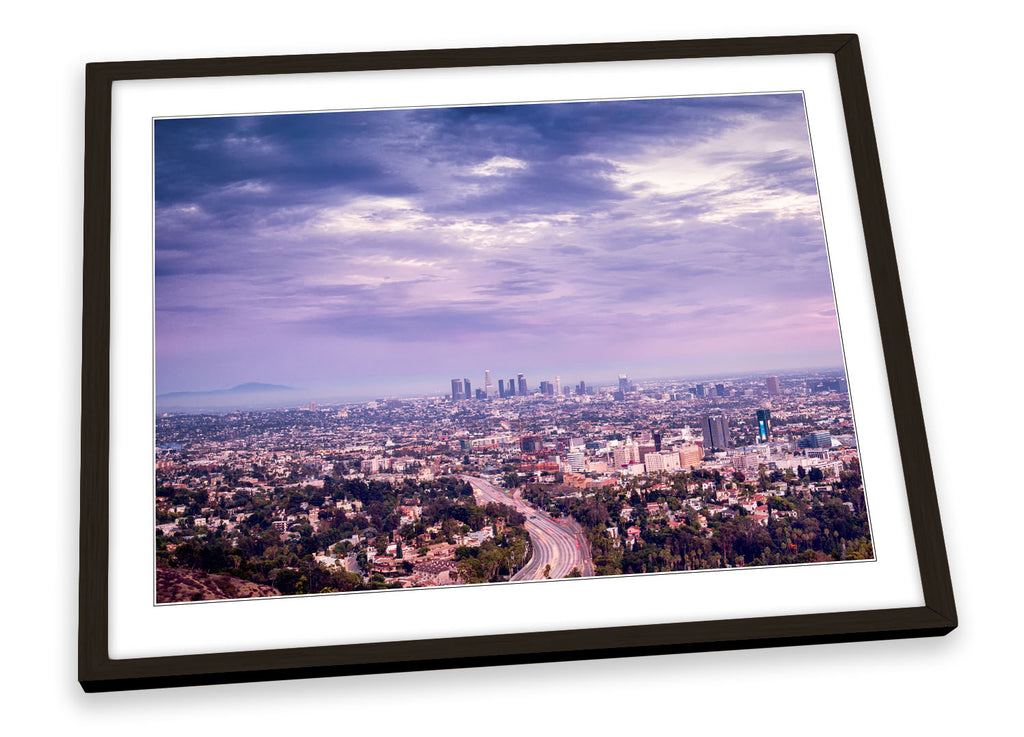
{"points": [[488, 386], [716, 431], [720, 390], [467, 392], [501, 388], [623, 383], [522, 385], [457, 389], [764, 425], [699, 390], [511, 388], [771, 383], [558, 386]]}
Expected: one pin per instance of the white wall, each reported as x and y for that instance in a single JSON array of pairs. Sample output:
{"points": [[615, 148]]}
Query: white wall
{"points": [[943, 85]]}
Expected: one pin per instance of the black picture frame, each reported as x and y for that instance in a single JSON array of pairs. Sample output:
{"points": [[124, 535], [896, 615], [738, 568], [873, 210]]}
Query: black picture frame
{"points": [[99, 672]]}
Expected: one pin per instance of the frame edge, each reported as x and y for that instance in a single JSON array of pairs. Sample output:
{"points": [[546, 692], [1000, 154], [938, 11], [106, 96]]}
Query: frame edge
{"points": [[922, 498], [95, 418]]}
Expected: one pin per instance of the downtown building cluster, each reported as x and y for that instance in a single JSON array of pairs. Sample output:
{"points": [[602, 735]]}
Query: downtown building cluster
{"points": [[462, 389]]}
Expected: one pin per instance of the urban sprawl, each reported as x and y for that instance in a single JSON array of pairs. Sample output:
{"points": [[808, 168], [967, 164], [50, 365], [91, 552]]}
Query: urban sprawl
{"points": [[508, 483]]}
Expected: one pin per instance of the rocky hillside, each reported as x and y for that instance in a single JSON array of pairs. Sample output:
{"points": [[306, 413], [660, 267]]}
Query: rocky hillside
{"points": [[184, 584]]}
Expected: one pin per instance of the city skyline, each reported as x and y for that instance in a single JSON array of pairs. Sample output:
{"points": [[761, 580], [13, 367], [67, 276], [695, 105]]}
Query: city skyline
{"points": [[257, 396], [333, 251]]}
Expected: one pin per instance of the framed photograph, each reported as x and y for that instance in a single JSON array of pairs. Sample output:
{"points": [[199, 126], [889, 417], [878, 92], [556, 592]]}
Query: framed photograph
{"points": [[429, 359]]}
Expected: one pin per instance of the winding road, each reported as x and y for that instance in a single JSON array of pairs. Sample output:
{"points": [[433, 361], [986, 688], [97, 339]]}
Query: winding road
{"points": [[558, 543]]}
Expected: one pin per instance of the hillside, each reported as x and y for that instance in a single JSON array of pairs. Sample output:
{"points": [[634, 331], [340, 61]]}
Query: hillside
{"points": [[175, 585]]}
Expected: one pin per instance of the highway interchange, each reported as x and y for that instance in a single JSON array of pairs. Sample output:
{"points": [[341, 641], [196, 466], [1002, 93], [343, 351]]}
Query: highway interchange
{"points": [[559, 544]]}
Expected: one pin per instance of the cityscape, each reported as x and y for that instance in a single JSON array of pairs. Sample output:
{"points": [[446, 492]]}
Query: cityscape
{"points": [[509, 483], [492, 344]]}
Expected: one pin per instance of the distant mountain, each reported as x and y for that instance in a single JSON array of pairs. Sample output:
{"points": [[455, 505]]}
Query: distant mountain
{"points": [[253, 395], [251, 388], [255, 386]]}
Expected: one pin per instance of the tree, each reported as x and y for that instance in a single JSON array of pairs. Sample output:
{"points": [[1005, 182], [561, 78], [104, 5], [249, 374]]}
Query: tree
{"points": [[287, 581], [860, 550]]}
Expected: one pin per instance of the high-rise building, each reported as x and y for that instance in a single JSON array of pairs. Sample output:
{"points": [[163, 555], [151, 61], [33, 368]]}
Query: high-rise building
{"points": [[488, 386], [576, 460], [511, 391], [822, 439], [764, 425], [699, 391], [532, 444], [831, 385], [720, 390], [501, 388], [654, 462], [522, 385], [716, 431], [558, 386], [690, 455], [623, 455], [623, 383], [467, 392], [457, 389], [771, 383], [581, 390]]}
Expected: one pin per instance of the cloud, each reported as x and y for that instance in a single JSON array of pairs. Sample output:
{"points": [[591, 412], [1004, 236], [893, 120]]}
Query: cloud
{"points": [[497, 165], [537, 228]]}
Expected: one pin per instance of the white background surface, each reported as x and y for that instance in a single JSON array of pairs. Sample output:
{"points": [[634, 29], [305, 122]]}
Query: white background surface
{"points": [[948, 139]]}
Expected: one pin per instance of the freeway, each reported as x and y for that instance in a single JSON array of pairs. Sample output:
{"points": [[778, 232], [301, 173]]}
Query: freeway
{"points": [[558, 543]]}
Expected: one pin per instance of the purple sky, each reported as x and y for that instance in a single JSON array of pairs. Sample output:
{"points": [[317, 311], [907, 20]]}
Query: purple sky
{"points": [[385, 252]]}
